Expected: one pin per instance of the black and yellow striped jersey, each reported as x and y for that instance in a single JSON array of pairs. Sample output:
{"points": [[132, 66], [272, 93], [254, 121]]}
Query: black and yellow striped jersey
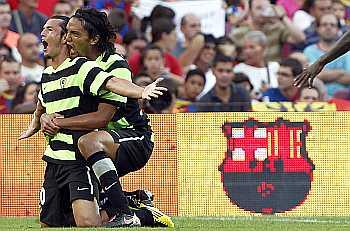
{"points": [[129, 116], [72, 89]]}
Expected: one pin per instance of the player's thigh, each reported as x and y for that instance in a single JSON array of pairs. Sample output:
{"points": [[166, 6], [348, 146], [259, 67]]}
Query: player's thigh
{"points": [[51, 210], [134, 151], [86, 213]]}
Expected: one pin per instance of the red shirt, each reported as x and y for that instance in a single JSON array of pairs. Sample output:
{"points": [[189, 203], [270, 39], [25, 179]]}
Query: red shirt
{"points": [[45, 6], [170, 62]]}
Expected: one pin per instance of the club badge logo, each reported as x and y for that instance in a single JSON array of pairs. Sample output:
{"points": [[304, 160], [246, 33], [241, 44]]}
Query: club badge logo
{"points": [[266, 168]]}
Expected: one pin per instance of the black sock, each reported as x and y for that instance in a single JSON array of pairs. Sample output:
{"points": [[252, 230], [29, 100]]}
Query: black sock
{"points": [[106, 174]]}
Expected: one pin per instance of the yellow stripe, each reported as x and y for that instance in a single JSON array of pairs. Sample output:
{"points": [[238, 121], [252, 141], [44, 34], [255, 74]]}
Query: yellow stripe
{"points": [[59, 155], [71, 81], [121, 73], [63, 137], [98, 81], [63, 104]]}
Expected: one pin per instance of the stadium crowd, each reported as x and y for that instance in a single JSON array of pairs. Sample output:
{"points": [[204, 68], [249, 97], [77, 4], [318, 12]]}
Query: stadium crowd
{"points": [[265, 46]]}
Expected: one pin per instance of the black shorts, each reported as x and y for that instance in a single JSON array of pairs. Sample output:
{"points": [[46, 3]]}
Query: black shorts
{"points": [[62, 185], [136, 146]]}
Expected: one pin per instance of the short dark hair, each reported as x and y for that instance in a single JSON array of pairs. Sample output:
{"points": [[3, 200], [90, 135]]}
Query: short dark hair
{"points": [[193, 72], [132, 35], [148, 48], [63, 24], [318, 21], [160, 26], [8, 59], [293, 64], [220, 58], [96, 24]]}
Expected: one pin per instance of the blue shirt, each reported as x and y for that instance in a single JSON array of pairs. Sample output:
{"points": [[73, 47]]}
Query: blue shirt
{"points": [[275, 95], [313, 52], [103, 4]]}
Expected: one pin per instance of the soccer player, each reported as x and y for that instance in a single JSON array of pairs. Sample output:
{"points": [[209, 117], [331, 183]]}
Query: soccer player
{"points": [[308, 75], [127, 143], [68, 87]]}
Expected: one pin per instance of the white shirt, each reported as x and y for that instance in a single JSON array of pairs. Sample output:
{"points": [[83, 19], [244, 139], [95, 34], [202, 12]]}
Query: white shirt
{"points": [[302, 19], [258, 75], [32, 74], [210, 81]]}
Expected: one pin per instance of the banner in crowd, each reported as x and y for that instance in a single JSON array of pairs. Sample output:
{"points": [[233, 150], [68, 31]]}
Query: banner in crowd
{"points": [[211, 13], [213, 164]]}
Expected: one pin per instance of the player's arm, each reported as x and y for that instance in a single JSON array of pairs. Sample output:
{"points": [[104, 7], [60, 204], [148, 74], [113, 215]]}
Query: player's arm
{"points": [[89, 121], [34, 125], [307, 76]]}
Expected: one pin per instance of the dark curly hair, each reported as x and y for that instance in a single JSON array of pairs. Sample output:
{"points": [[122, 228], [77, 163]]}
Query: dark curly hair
{"points": [[96, 24]]}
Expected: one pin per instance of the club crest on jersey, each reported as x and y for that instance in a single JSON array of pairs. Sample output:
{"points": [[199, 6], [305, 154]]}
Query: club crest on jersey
{"points": [[266, 167], [63, 82]]}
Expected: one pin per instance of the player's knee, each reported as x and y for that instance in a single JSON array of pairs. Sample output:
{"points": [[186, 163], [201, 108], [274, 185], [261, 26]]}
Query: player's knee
{"points": [[89, 144], [88, 221]]}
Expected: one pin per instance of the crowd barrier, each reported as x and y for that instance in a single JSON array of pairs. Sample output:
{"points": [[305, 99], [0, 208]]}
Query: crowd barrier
{"points": [[213, 164]]}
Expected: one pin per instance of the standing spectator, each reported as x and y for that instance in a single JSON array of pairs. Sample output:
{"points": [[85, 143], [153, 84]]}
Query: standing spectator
{"points": [[133, 42], [273, 21], [187, 51], [28, 47], [337, 73], [27, 18], [225, 95], [163, 36], [286, 91], [63, 8], [10, 72], [261, 73]]}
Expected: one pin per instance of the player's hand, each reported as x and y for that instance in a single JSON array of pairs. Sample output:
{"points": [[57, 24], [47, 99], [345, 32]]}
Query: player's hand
{"points": [[308, 75], [152, 91], [48, 127], [29, 132]]}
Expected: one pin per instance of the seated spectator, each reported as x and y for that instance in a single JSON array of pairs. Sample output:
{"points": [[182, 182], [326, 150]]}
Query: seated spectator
{"points": [[26, 98], [225, 96], [339, 9], [134, 42], [309, 95], [225, 46], [142, 79], [4, 51], [336, 74], [10, 72], [243, 80], [63, 8], [300, 57], [262, 74], [286, 91], [193, 86], [28, 47], [163, 36], [26, 19]]}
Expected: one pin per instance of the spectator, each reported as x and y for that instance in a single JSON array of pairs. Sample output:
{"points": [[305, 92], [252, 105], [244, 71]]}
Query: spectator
{"points": [[225, 46], [261, 73], [28, 47], [317, 9], [188, 50], [300, 57], [142, 79], [27, 18], [286, 91], [117, 18], [63, 8], [193, 86], [243, 80], [10, 72], [309, 95], [337, 73], [134, 42], [204, 62], [163, 36], [26, 98], [4, 51], [339, 9], [273, 21], [290, 6], [225, 95]]}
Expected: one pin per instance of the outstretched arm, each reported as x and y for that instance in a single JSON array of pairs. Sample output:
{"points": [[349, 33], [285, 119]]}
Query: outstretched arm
{"points": [[126, 88], [308, 75], [34, 125]]}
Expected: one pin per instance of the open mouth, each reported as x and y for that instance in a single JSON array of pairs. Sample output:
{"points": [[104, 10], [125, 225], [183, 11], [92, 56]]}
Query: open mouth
{"points": [[45, 44]]}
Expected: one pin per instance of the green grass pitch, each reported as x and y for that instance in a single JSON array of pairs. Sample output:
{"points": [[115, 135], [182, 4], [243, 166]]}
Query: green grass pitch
{"points": [[265, 223]]}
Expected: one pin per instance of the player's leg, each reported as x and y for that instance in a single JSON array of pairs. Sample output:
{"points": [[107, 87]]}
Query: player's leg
{"points": [[51, 211], [82, 195], [98, 148]]}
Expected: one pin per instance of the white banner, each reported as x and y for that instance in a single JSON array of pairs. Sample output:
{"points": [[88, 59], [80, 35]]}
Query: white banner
{"points": [[211, 13]]}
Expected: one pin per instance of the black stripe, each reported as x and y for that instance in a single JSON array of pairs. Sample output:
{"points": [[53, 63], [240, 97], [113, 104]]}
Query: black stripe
{"points": [[118, 64], [106, 57], [57, 145], [90, 77], [72, 70], [59, 94], [111, 102]]}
